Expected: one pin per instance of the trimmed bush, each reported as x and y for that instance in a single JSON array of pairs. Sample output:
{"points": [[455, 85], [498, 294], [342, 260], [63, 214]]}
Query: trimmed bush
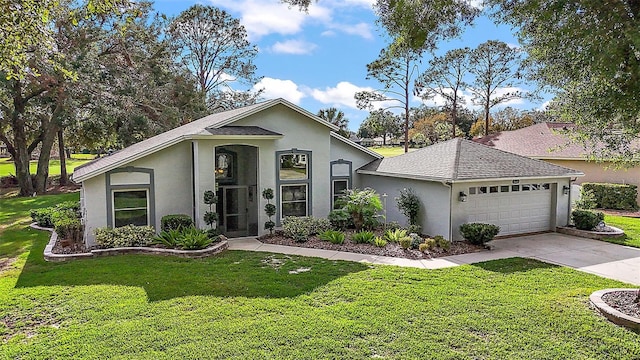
{"points": [[428, 244], [300, 228], [333, 236], [68, 226], [44, 216], [586, 220], [479, 233], [613, 196], [442, 243], [405, 242], [416, 240], [125, 236], [363, 237], [176, 222]]}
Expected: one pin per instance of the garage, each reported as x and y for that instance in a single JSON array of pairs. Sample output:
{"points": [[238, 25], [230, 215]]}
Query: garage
{"points": [[516, 208], [460, 181]]}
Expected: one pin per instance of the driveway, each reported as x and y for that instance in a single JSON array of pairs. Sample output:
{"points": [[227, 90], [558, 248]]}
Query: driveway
{"points": [[592, 256], [596, 257]]}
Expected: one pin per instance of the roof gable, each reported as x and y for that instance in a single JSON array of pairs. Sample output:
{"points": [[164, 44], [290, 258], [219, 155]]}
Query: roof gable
{"points": [[463, 160]]}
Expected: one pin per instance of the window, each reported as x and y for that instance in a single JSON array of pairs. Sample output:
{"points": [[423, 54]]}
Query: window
{"points": [[535, 187], [225, 166], [515, 187], [545, 186], [293, 183], [504, 188], [130, 207], [526, 187], [493, 189], [340, 179], [294, 200], [293, 166], [472, 191], [339, 187], [482, 190]]}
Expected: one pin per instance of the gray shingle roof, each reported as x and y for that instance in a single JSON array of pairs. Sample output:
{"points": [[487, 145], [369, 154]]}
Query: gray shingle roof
{"points": [[241, 130], [198, 127], [463, 160]]}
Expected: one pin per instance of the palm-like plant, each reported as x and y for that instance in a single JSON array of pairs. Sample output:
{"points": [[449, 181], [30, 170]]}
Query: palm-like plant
{"points": [[336, 117]]}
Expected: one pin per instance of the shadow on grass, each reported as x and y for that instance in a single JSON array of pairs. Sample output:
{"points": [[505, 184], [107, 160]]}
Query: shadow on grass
{"points": [[513, 265], [230, 274]]}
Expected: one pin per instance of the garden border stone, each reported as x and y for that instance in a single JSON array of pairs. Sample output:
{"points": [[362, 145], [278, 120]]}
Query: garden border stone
{"points": [[191, 254], [596, 235], [612, 314]]}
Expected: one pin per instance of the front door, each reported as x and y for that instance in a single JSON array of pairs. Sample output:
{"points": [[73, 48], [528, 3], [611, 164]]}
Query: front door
{"points": [[234, 219]]}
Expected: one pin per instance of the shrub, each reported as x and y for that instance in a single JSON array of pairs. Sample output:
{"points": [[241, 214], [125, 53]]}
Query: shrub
{"points": [[428, 244], [125, 236], [210, 217], [613, 196], [585, 219], [169, 238], [194, 239], [479, 233], [395, 235], [416, 240], [415, 229], [213, 234], [405, 242], [393, 225], [300, 228], [409, 204], [363, 206], [68, 226], [587, 200], [333, 236], [269, 209], [363, 237], [379, 242], [340, 219], [42, 217], [442, 243], [176, 222]]}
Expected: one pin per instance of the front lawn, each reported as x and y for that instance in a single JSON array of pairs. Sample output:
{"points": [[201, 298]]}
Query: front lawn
{"points": [[389, 151], [259, 305], [631, 227], [8, 168]]}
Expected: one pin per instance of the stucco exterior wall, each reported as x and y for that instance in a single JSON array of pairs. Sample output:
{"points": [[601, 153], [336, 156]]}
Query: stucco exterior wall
{"points": [[340, 150], [434, 196], [600, 173]]}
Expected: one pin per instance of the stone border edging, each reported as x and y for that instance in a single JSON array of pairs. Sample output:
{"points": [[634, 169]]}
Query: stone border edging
{"points": [[612, 314], [596, 235], [191, 254]]}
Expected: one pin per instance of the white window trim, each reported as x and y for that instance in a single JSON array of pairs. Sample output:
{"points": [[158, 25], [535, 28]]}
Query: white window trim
{"points": [[113, 203]]}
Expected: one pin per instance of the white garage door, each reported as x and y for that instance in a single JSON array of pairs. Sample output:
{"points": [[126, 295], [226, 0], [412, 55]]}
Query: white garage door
{"points": [[517, 209]]}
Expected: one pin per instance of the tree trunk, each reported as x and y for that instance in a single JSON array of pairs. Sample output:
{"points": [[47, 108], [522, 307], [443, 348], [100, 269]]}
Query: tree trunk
{"points": [[45, 155], [63, 159], [21, 162], [486, 119]]}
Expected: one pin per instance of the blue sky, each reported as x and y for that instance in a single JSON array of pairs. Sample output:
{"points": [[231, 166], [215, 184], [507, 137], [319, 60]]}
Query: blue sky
{"points": [[318, 59]]}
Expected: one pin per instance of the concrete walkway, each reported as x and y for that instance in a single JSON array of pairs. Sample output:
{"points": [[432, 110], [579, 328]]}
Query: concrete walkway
{"points": [[592, 256]]}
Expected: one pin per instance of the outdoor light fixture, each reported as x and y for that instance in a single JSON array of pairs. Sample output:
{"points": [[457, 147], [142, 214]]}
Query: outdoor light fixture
{"points": [[565, 190], [462, 197]]}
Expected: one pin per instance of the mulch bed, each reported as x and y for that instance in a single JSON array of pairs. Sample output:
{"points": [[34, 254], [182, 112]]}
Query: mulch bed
{"points": [[623, 301], [66, 247], [391, 249]]}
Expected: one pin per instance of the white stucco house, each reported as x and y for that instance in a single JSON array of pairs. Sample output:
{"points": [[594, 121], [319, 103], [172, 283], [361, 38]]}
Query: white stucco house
{"points": [[237, 153], [460, 181], [278, 145]]}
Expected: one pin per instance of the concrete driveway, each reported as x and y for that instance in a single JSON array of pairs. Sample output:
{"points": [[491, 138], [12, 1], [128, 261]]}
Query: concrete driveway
{"points": [[596, 257]]}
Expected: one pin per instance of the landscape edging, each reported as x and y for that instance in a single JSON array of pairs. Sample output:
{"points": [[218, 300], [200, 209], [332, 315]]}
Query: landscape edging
{"points": [[596, 235], [192, 254], [612, 314]]}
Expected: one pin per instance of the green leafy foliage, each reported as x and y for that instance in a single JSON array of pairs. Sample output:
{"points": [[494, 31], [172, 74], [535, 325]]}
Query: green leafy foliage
{"points": [[176, 222], [267, 194], [585, 219], [427, 245], [125, 236], [409, 204], [613, 196], [209, 197], [210, 217], [300, 228], [395, 235], [442, 243], [414, 229], [44, 216], [479, 233], [169, 238], [363, 206], [194, 239], [405, 242], [379, 242], [333, 236], [363, 237], [340, 219], [587, 200], [269, 209], [68, 225], [416, 240]]}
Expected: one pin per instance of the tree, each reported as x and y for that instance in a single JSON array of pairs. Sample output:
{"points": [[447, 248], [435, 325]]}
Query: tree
{"points": [[214, 46], [380, 123], [587, 52], [396, 69], [336, 117], [494, 66], [435, 127], [511, 119], [445, 78]]}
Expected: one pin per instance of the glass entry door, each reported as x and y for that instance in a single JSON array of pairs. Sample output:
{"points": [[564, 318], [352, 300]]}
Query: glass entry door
{"points": [[234, 217]]}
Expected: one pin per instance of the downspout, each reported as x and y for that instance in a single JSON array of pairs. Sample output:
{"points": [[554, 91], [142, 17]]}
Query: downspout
{"points": [[569, 205], [449, 186]]}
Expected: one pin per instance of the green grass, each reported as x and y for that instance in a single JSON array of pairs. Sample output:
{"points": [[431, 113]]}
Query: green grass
{"points": [[631, 227], [390, 151], [7, 167], [248, 305]]}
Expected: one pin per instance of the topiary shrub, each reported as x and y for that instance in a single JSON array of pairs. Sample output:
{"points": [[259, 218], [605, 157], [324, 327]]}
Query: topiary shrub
{"points": [[585, 219], [613, 196], [176, 222], [269, 209], [125, 236], [479, 233]]}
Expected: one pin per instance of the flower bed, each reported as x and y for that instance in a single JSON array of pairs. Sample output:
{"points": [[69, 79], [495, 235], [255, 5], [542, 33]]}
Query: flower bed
{"points": [[619, 306], [391, 249]]}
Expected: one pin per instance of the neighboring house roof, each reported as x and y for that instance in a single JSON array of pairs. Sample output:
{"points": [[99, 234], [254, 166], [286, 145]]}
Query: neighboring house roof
{"points": [[200, 127], [463, 160], [539, 141]]}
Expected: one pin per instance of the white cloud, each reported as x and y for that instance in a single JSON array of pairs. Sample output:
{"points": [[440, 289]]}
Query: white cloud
{"points": [[479, 4], [340, 95], [360, 29], [296, 47], [544, 105], [263, 17], [278, 88]]}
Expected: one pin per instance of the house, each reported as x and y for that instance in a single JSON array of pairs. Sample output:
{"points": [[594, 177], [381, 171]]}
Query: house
{"points": [[238, 154], [460, 181], [549, 142]]}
